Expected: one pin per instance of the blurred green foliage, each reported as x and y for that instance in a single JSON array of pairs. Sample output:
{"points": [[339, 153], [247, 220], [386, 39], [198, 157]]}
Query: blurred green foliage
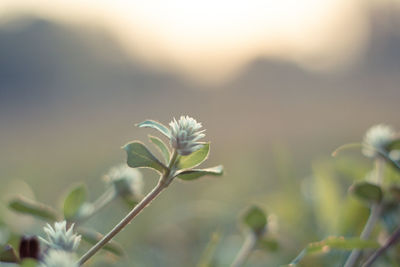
{"points": [[178, 228]]}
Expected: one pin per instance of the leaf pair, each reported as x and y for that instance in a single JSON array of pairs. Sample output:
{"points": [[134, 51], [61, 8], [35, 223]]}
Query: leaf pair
{"points": [[139, 156]]}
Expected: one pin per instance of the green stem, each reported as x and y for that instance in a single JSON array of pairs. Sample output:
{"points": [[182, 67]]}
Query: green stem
{"points": [[163, 182], [106, 198], [372, 219], [393, 239], [247, 247], [124, 222]]}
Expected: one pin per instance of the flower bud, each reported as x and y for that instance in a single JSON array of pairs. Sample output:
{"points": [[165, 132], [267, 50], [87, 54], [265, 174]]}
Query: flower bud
{"points": [[377, 138], [185, 135], [127, 182], [60, 238]]}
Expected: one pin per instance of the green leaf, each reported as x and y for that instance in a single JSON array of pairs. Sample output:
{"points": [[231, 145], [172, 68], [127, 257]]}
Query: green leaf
{"points": [[155, 125], [39, 210], [268, 244], [339, 243], [29, 263], [74, 200], [395, 144], [326, 190], [140, 156], [161, 147], [255, 219], [92, 237], [194, 159], [207, 258], [194, 174], [8, 254], [367, 191]]}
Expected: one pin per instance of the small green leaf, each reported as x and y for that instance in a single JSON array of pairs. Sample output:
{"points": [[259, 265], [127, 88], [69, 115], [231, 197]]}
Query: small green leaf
{"points": [[92, 237], [268, 244], [161, 147], [194, 159], [140, 156], [339, 243], [395, 144], [39, 210], [194, 174], [367, 191], [29, 263], [74, 200], [255, 219], [8, 254], [155, 125], [207, 257]]}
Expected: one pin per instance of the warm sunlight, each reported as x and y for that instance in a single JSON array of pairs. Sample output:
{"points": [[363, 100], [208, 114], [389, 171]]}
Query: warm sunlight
{"points": [[212, 40]]}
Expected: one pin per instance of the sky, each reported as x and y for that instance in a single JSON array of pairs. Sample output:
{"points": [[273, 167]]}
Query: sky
{"points": [[214, 40]]}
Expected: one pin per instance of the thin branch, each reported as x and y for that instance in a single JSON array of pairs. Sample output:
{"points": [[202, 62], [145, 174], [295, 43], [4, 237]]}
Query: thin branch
{"points": [[100, 203], [163, 183], [248, 246], [372, 219], [124, 222], [393, 239]]}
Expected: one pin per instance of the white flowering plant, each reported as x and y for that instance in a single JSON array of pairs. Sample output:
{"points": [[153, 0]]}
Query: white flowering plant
{"points": [[181, 155], [181, 152]]}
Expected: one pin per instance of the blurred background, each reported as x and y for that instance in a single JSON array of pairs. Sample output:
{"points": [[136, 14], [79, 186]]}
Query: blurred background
{"points": [[277, 84]]}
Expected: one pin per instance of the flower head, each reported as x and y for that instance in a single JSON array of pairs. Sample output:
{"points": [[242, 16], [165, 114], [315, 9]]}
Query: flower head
{"points": [[185, 135], [125, 180], [60, 238], [377, 138], [59, 258]]}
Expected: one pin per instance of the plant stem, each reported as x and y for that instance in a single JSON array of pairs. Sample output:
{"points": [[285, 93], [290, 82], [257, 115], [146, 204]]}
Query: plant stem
{"points": [[101, 202], [247, 247], [163, 182], [393, 239], [372, 219], [366, 233], [124, 222]]}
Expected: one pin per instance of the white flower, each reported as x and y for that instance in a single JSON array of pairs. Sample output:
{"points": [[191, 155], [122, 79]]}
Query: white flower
{"points": [[61, 239], [59, 258], [185, 135], [126, 181], [377, 138]]}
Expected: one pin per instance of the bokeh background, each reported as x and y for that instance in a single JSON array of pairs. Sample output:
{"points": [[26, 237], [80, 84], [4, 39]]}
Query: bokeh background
{"points": [[277, 84]]}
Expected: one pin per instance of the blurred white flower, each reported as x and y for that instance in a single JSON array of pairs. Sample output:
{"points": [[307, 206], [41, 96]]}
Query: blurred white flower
{"points": [[59, 258], [86, 209], [185, 135], [60, 238], [377, 138], [127, 181]]}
